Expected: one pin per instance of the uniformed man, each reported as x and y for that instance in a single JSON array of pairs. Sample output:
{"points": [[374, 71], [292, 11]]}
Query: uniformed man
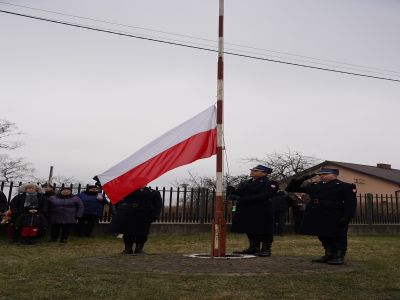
{"points": [[327, 215], [135, 213], [254, 211]]}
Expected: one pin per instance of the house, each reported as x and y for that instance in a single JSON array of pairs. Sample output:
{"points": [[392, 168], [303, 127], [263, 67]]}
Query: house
{"points": [[379, 179]]}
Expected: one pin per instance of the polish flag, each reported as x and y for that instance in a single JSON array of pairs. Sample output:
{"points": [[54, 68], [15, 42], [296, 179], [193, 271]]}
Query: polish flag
{"points": [[192, 140]]}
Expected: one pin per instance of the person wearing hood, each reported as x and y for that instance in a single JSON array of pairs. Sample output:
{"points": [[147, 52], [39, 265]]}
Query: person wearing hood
{"points": [[93, 202], [29, 200], [64, 209]]}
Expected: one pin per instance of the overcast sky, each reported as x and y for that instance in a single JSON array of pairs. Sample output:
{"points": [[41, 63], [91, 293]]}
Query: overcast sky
{"points": [[86, 100]]}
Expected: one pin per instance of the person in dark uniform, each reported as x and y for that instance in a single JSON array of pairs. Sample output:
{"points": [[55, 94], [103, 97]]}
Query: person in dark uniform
{"points": [[333, 204], [254, 213], [133, 218]]}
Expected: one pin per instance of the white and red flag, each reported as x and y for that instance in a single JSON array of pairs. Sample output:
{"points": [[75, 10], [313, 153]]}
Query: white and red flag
{"points": [[192, 140]]}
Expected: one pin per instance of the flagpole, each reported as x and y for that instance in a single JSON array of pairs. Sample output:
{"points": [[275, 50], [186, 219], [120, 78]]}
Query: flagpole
{"points": [[218, 230]]}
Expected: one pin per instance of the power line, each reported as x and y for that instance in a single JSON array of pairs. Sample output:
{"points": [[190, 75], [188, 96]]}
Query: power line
{"points": [[344, 64], [196, 47]]}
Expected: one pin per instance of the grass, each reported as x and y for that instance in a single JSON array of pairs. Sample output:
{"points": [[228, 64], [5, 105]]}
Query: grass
{"points": [[55, 271]]}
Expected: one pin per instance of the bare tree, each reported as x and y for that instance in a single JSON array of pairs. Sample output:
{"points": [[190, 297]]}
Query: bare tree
{"points": [[286, 164], [196, 181], [12, 169], [59, 180], [8, 129], [64, 180]]}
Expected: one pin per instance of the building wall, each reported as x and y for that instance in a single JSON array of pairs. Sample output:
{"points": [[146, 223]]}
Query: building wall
{"points": [[365, 183]]}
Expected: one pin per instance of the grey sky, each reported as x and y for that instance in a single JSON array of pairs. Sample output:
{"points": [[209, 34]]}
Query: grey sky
{"points": [[86, 100]]}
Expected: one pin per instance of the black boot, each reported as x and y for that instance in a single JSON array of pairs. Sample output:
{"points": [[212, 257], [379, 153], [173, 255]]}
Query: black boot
{"points": [[265, 250], [323, 259], [338, 258], [128, 243], [128, 249], [253, 248], [139, 248]]}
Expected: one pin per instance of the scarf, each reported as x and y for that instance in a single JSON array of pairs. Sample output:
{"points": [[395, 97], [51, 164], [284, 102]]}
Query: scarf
{"points": [[31, 200]]}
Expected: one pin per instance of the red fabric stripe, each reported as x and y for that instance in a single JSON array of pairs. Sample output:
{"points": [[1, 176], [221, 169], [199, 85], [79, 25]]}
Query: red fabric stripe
{"points": [[201, 145]]}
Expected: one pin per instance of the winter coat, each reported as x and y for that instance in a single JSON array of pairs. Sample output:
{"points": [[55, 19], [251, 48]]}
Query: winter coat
{"points": [[136, 212], [17, 206], [31, 220], [3, 202], [92, 205], [330, 209], [65, 210], [254, 212]]}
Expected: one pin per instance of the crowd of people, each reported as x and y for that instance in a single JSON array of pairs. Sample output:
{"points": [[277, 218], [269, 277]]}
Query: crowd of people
{"points": [[37, 208], [322, 208]]}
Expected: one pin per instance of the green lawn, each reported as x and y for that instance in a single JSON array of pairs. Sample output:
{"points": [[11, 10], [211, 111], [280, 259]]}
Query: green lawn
{"points": [[55, 271]]}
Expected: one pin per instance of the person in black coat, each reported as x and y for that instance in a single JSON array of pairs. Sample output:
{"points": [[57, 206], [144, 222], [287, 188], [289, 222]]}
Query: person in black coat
{"points": [[3, 202], [3, 207], [333, 204], [30, 200], [253, 214], [133, 218]]}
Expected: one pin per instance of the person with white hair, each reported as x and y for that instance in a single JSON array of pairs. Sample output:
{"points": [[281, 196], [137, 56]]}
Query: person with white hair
{"points": [[29, 200]]}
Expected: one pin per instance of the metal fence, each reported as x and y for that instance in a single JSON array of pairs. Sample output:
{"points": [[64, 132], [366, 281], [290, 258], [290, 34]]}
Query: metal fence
{"points": [[196, 205]]}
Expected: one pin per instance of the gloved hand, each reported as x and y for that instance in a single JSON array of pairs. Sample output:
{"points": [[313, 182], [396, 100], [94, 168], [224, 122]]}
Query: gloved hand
{"points": [[234, 197], [97, 183]]}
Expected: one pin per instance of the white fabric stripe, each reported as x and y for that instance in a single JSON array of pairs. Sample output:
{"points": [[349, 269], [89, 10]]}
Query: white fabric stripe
{"points": [[204, 121]]}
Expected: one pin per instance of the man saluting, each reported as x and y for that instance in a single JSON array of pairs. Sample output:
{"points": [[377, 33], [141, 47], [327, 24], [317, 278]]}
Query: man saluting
{"points": [[332, 206]]}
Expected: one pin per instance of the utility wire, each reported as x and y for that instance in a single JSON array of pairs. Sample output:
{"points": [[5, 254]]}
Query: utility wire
{"points": [[351, 66], [198, 48]]}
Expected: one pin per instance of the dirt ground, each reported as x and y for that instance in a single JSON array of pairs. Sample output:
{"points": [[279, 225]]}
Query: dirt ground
{"points": [[183, 265]]}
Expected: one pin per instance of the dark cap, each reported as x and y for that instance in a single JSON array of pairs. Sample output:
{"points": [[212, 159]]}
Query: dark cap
{"points": [[328, 171], [262, 168]]}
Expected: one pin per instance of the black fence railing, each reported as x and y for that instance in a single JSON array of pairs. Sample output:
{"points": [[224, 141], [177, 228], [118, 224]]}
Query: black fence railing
{"points": [[196, 205]]}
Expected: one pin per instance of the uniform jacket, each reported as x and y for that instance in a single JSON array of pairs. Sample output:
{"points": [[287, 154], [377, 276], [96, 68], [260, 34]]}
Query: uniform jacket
{"points": [[93, 206], [65, 210], [254, 211], [136, 212], [331, 207]]}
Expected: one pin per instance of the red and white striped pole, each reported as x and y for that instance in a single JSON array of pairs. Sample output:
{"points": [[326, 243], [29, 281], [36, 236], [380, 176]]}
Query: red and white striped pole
{"points": [[218, 231]]}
